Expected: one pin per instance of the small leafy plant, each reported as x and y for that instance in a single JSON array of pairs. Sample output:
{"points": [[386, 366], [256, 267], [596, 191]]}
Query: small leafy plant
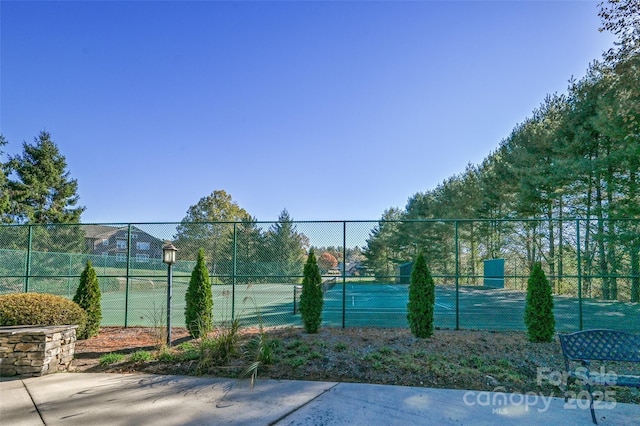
{"points": [[187, 351], [340, 346], [165, 355], [158, 331], [218, 349], [111, 358], [141, 356]]}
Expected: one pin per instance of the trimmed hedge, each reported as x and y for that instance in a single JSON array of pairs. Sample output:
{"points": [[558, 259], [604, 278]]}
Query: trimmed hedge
{"points": [[41, 309]]}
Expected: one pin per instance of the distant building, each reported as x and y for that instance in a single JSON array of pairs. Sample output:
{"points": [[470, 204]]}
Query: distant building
{"points": [[352, 269], [114, 241]]}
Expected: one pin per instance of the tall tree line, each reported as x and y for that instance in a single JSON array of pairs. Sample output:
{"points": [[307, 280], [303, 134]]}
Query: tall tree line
{"points": [[577, 155], [236, 245]]}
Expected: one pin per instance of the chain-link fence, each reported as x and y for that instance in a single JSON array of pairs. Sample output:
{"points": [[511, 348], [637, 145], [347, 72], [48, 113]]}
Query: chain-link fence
{"points": [[592, 265]]}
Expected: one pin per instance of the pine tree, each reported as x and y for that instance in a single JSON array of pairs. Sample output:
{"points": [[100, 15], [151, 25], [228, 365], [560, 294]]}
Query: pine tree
{"points": [[538, 314], [287, 247], [88, 297], [4, 186], [199, 309], [311, 299], [43, 192], [422, 298]]}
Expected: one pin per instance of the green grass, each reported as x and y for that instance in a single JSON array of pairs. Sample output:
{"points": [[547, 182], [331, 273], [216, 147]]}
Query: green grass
{"points": [[385, 350], [187, 351], [314, 355], [295, 362], [340, 346], [141, 356], [111, 358], [167, 356]]}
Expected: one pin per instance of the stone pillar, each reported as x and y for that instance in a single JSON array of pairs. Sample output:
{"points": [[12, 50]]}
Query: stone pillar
{"points": [[35, 351]]}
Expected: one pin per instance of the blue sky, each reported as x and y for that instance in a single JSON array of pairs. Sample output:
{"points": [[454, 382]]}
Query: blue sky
{"points": [[332, 110]]}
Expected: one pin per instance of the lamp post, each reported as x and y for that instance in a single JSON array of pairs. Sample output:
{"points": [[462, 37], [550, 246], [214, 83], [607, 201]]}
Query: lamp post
{"points": [[169, 257]]}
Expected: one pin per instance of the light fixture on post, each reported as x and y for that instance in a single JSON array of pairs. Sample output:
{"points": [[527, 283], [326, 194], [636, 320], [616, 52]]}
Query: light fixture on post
{"points": [[169, 257]]}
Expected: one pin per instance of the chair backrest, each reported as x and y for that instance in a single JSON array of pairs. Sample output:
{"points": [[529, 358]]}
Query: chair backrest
{"points": [[603, 345]]}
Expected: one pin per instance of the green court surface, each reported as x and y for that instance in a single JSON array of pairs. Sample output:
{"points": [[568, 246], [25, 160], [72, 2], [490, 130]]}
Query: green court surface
{"points": [[384, 305], [271, 304], [365, 305]]}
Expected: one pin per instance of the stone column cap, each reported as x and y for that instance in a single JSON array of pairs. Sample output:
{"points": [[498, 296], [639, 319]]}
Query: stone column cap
{"points": [[18, 329]]}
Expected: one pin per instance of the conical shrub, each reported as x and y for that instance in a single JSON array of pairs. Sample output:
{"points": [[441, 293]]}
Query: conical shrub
{"points": [[88, 298], [198, 312], [422, 298], [311, 299], [538, 313]]}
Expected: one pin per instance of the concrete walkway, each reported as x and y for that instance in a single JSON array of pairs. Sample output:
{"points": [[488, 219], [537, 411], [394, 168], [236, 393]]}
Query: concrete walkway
{"points": [[142, 399]]}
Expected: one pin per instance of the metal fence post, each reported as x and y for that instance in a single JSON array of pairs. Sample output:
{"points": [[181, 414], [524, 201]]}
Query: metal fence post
{"points": [[344, 273], [69, 277], [28, 260], [235, 266], [457, 253], [580, 324], [126, 290]]}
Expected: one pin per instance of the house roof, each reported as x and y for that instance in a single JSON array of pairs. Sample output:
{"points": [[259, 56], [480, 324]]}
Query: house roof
{"points": [[94, 231], [103, 231]]}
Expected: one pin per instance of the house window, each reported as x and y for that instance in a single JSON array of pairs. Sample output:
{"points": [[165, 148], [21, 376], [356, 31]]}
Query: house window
{"points": [[143, 245], [121, 244], [121, 257], [105, 241], [134, 236], [142, 258]]}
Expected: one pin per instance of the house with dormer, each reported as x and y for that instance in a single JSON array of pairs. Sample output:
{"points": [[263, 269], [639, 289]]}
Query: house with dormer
{"points": [[115, 241]]}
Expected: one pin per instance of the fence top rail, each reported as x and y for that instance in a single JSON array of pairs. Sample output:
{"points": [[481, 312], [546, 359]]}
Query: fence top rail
{"points": [[424, 220]]}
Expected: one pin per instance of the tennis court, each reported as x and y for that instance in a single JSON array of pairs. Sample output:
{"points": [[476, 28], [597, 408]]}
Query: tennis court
{"points": [[384, 305], [363, 305], [270, 303]]}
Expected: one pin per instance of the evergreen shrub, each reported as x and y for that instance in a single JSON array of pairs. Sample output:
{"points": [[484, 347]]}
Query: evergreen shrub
{"points": [[88, 298], [538, 313], [311, 299], [422, 298], [199, 309]]}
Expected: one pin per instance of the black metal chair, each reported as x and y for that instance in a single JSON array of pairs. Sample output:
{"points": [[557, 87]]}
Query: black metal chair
{"points": [[599, 345]]}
